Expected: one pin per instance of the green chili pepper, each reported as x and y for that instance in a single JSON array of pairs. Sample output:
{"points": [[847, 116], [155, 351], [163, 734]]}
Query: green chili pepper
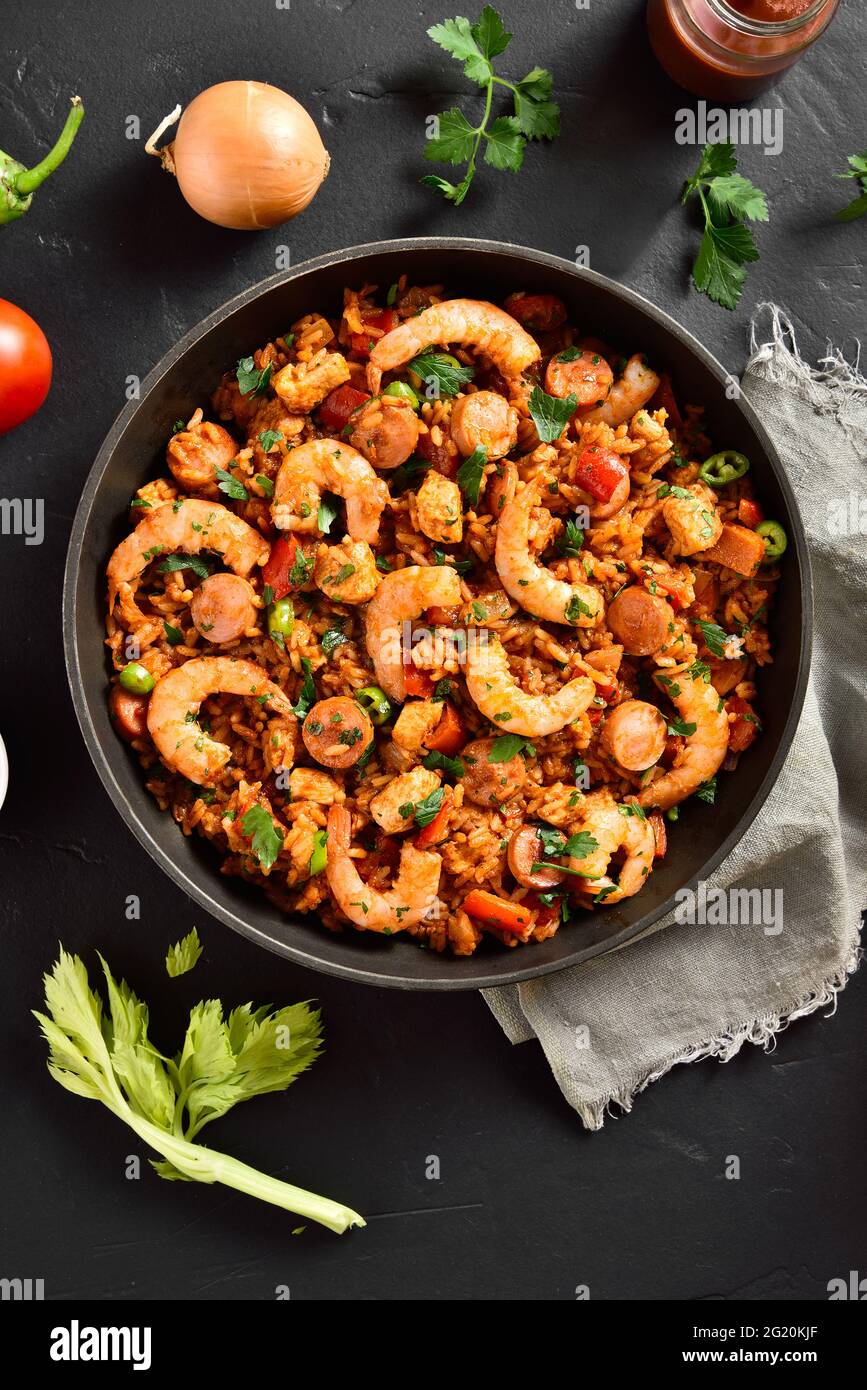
{"points": [[18, 183], [374, 702], [403, 393], [281, 617], [137, 679], [724, 468], [775, 540], [319, 857]]}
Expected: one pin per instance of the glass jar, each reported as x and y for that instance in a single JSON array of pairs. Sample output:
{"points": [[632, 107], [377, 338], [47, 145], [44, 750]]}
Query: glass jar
{"points": [[731, 49]]}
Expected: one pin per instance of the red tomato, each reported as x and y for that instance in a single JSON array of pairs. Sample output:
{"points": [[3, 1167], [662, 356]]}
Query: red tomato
{"points": [[599, 471], [539, 312], [384, 320], [338, 405], [750, 513], [277, 568], [663, 398], [25, 366], [745, 726]]}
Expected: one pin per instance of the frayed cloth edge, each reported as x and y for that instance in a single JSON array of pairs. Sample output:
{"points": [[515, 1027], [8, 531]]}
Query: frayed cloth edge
{"points": [[830, 387], [762, 1032]]}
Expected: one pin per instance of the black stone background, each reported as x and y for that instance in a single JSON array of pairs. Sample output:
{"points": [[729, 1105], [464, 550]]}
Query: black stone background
{"points": [[115, 267]]}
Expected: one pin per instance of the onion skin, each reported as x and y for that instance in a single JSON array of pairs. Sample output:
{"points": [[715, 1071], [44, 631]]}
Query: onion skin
{"points": [[247, 156]]}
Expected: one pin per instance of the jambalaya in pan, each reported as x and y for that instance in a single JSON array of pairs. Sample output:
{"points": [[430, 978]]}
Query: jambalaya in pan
{"points": [[435, 616]]}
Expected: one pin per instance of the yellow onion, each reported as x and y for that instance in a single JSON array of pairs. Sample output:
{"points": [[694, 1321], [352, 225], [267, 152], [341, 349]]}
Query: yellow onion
{"points": [[246, 155]]}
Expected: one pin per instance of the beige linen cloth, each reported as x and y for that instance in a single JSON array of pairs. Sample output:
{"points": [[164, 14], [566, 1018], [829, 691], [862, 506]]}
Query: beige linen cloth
{"points": [[612, 1026]]}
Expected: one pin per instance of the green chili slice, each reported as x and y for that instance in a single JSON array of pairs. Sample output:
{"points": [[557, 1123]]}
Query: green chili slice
{"points": [[374, 702], [775, 539], [724, 468]]}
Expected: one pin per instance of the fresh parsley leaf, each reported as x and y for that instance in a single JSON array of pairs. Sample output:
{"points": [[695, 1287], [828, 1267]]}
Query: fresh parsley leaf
{"points": [[508, 746], [229, 484], [470, 474], [505, 137], [571, 541], [174, 636], [727, 244], [714, 637], [428, 808], [184, 954], [575, 609], [252, 378], [301, 568], [679, 726], [383, 565], [268, 438], [455, 767], [442, 690], [506, 144], [326, 514], [307, 694], [857, 170], [441, 377], [266, 484], [462, 566], [707, 791], [407, 475], [345, 572], [456, 139], [184, 562], [551, 414], [580, 846], [266, 839], [332, 638]]}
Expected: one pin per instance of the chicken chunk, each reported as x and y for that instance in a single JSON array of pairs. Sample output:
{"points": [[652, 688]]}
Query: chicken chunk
{"points": [[439, 510], [301, 386], [346, 572], [691, 516], [394, 807]]}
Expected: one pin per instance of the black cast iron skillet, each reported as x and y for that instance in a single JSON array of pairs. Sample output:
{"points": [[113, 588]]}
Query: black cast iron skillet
{"points": [[134, 450]]}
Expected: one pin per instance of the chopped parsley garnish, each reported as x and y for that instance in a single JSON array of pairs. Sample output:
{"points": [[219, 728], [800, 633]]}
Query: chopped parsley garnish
{"points": [[508, 746], [332, 638], [571, 541], [441, 376], [470, 474], [345, 572], [551, 414], [575, 608], [300, 571], [679, 726], [715, 638], [569, 354], [383, 565], [268, 438], [265, 484], [174, 636], [307, 694], [184, 562], [462, 566], [266, 838], [707, 791], [428, 809], [325, 515], [252, 378], [229, 484], [455, 767]]}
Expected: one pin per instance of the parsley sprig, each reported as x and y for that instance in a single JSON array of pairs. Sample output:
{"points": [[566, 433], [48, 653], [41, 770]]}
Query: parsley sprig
{"points": [[857, 170], [727, 244], [536, 116]]}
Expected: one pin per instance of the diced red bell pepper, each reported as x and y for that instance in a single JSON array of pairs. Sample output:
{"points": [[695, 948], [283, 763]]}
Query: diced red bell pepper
{"points": [[663, 399], [338, 405], [417, 682], [277, 568], [496, 912], [435, 831], [750, 513], [607, 691], [594, 714], [546, 913], [382, 319], [538, 312], [599, 471], [449, 734], [745, 726]]}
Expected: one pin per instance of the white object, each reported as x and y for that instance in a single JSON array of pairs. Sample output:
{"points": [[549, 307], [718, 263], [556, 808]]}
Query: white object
{"points": [[4, 772]]}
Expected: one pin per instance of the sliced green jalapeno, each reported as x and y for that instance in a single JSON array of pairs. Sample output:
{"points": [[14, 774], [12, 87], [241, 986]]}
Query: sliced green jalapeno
{"points": [[724, 468]]}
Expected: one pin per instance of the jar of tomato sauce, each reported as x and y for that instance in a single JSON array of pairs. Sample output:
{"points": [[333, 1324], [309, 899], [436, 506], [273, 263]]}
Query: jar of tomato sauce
{"points": [[732, 49]]}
